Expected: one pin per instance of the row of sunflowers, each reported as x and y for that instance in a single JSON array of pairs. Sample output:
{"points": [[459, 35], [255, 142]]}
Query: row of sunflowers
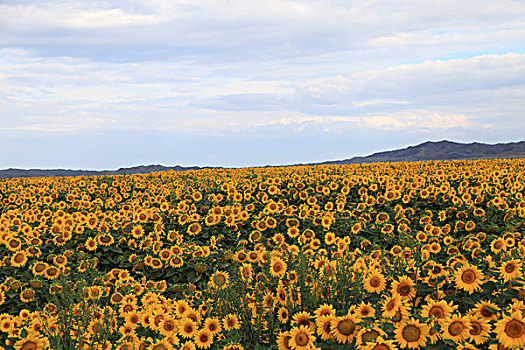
{"points": [[371, 256]]}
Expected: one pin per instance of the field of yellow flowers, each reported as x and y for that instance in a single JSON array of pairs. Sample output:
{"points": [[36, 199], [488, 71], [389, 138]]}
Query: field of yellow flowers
{"points": [[372, 256]]}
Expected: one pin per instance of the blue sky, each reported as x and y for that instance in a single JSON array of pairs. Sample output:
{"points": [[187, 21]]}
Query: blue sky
{"points": [[110, 84]]}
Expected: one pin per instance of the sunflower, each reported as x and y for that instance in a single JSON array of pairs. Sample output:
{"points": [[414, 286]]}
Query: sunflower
{"points": [[162, 344], [411, 334], [404, 287], [14, 244], [213, 325], [194, 229], [132, 318], [391, 306], [246, 271], [436, 270], [381, 343], [187, 328], [303, 319], [510, 330], [510, 270], [203, 339], [301, 338], [219, 280], [51, 273], [323, 310], [283, 341], [282, 314], [31, 341], [375, 282], [137, 231], [192, 314], [277, 267], [344, 328], [401, 315], [387, 229], [486, 310], [329, 238], [382, 218], [468, 278], [39, 268], [168, 326], [268, 301], [231, 321], [479, 329], [324, 327], [498, 245], [189, 345], [19, 259], [369, 335], [105, 239], [455, 328], [365, 310], [6, 325], [27, 295], [176, 261], [439, 310], [91, 244]]}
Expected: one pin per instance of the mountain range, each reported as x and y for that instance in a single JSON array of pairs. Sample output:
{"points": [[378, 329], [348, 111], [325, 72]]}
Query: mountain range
{"points": [[440, 150]]}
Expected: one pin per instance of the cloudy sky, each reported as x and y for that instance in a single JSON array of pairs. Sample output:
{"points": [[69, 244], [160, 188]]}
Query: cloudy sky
{"points": [[108, 84]]}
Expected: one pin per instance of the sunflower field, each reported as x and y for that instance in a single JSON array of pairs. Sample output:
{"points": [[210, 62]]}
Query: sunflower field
{"points": [[372, 256]]}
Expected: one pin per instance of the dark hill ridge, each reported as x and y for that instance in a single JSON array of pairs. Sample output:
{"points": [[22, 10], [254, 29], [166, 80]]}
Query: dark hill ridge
{"points": [[141, 169], [441, 150]]}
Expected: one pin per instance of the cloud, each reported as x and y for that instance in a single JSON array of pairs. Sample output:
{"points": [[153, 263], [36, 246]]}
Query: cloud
{"points": [[270, 69]]}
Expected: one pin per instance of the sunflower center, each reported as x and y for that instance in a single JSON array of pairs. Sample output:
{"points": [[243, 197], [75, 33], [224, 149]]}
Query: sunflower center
{"points": [[468, 276], [301, 339], [475, 328], [509, 268], [391, 305], [515, 329], [346, 327], [375, 281], [456, 328], [287, 342], [380, 347], [303, 323], [220, 280], [437, 311], [486, 312], [370, 335], [30, 345], [411, 333], [403, 289]]}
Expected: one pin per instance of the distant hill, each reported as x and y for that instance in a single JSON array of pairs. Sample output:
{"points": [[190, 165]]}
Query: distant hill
{"points": [[441, 150], [141, 169]]}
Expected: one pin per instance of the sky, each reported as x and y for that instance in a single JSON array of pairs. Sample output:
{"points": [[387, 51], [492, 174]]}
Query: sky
{"points": [[110, 84]]}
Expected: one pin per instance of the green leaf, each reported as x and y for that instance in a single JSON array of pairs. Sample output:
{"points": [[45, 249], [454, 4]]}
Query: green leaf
{"points": [[490, 286], [468, 300], [116, 249]]}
